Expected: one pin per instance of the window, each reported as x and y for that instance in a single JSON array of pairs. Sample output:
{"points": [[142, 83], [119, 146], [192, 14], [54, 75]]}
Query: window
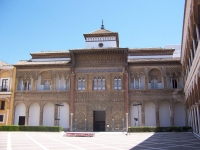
{"points": [[117, 83], [4, 85], [99, 83], [174, 83], [26, 86], [67, 85], [154, 84], [47, 85], [81, 84], [1, 118], [135, 84], [2, 105]]}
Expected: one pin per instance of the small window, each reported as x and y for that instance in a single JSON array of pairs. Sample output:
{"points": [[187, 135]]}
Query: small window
{"points": [[2, 105], [174, 83], [135, 83], [1, 118], [4, 85], [117, 83], [81, 84]]}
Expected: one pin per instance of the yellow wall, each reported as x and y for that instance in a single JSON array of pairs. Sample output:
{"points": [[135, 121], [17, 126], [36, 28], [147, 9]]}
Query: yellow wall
{"points": [[8, 98]]}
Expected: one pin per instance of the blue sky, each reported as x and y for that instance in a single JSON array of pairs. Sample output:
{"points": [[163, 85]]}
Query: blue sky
{"points": [[28, 26]]}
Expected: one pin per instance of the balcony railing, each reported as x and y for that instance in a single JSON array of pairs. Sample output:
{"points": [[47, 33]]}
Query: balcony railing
{"points": [[4, 88]]}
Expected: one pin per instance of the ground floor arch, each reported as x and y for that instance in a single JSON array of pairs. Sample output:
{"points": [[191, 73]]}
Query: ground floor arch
{"points": [[179, 114], [164, 114], [20, 114], [150, 114], [48, 114], [34, 115]]}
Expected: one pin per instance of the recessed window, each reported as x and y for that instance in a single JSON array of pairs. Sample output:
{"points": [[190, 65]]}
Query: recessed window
{"points": [[99, 83], [1, 118], [81, 84], [47, 84], [2, 105], [4, 85], [117, 83], [154, 84]]}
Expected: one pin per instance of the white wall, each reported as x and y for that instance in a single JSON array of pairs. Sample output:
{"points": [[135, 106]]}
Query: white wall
{"points": [[48, 114], [179, 114], [134, 114], [150, 114], [105, 44], [34, 115], [20, 110], [164, 114], [64, 116]]}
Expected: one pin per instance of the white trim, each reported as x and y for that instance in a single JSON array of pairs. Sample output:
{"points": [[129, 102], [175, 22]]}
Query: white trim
{"points": [[50, 59]]}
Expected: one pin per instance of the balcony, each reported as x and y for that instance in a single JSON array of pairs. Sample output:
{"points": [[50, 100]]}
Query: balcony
{"points": [[4, 89]]}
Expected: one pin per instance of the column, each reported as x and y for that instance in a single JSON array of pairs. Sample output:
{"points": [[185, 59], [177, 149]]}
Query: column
{"points": [[198, 118], [134, 83], [193, 126], [195, 119], [72, 81], [171, 115], [157, 115], [127, 122], [194, 45], [126, 92], [22, 85], [7, 116], [171, 82], [41, 117], [146, 83], [139, 83], [197, 32], [26, 117], [59, 83], [71, 122], [143, 114], [165, 82]]}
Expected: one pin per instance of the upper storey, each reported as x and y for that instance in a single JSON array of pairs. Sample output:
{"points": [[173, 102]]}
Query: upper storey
{"points": [[101, 38]]}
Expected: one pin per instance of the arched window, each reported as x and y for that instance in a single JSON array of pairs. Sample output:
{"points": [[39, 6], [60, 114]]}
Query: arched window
{"points": [[99, 83], [117, 83], [81, 84]]}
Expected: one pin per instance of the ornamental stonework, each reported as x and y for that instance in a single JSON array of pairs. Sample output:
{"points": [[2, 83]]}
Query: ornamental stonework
{"points": [[98, 70]]}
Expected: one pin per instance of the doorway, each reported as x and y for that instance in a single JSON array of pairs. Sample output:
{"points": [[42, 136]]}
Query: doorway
{"points": [[99, 118], [21, 120]]}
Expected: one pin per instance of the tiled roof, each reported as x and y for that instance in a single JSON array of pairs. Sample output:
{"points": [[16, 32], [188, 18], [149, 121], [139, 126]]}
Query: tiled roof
{"points": [[2, 63], [101, 31]]}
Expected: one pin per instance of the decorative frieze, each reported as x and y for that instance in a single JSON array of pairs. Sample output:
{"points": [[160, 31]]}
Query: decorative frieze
{"points": [[98, 70]]}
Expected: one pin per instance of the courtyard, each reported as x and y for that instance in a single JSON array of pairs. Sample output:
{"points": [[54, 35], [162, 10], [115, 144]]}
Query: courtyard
{"points": [[101, 141]]}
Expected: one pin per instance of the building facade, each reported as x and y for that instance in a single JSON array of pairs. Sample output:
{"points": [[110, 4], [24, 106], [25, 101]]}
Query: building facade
{"points": [[190, 56], [7, 79], [101, 87]]}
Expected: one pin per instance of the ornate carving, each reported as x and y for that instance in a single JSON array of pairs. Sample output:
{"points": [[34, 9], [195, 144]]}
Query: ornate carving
{"points": [[98, 70]]}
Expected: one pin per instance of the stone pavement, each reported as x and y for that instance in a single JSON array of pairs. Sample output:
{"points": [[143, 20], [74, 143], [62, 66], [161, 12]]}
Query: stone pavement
{"points": [[101, 141]]}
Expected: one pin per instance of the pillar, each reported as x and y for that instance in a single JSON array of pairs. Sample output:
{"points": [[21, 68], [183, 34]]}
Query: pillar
{"points": [[146, 83], [197, 32], [143, 114], [26, 117], [165, 82], [171, 115], [157, 115], [72, 88], [41, 116], [198, 118]]}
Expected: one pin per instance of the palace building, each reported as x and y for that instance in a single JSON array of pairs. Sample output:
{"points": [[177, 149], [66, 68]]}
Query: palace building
{"points": [[190, 56], [102, 87]]}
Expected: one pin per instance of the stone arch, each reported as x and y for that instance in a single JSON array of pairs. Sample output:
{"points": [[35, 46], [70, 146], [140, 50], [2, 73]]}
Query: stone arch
{"points": [[164, 114], [179, 114], [34, 115], [150, 114], [64, 116], [20, 110], [155, 73], [48, 114], [135, 113]]}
